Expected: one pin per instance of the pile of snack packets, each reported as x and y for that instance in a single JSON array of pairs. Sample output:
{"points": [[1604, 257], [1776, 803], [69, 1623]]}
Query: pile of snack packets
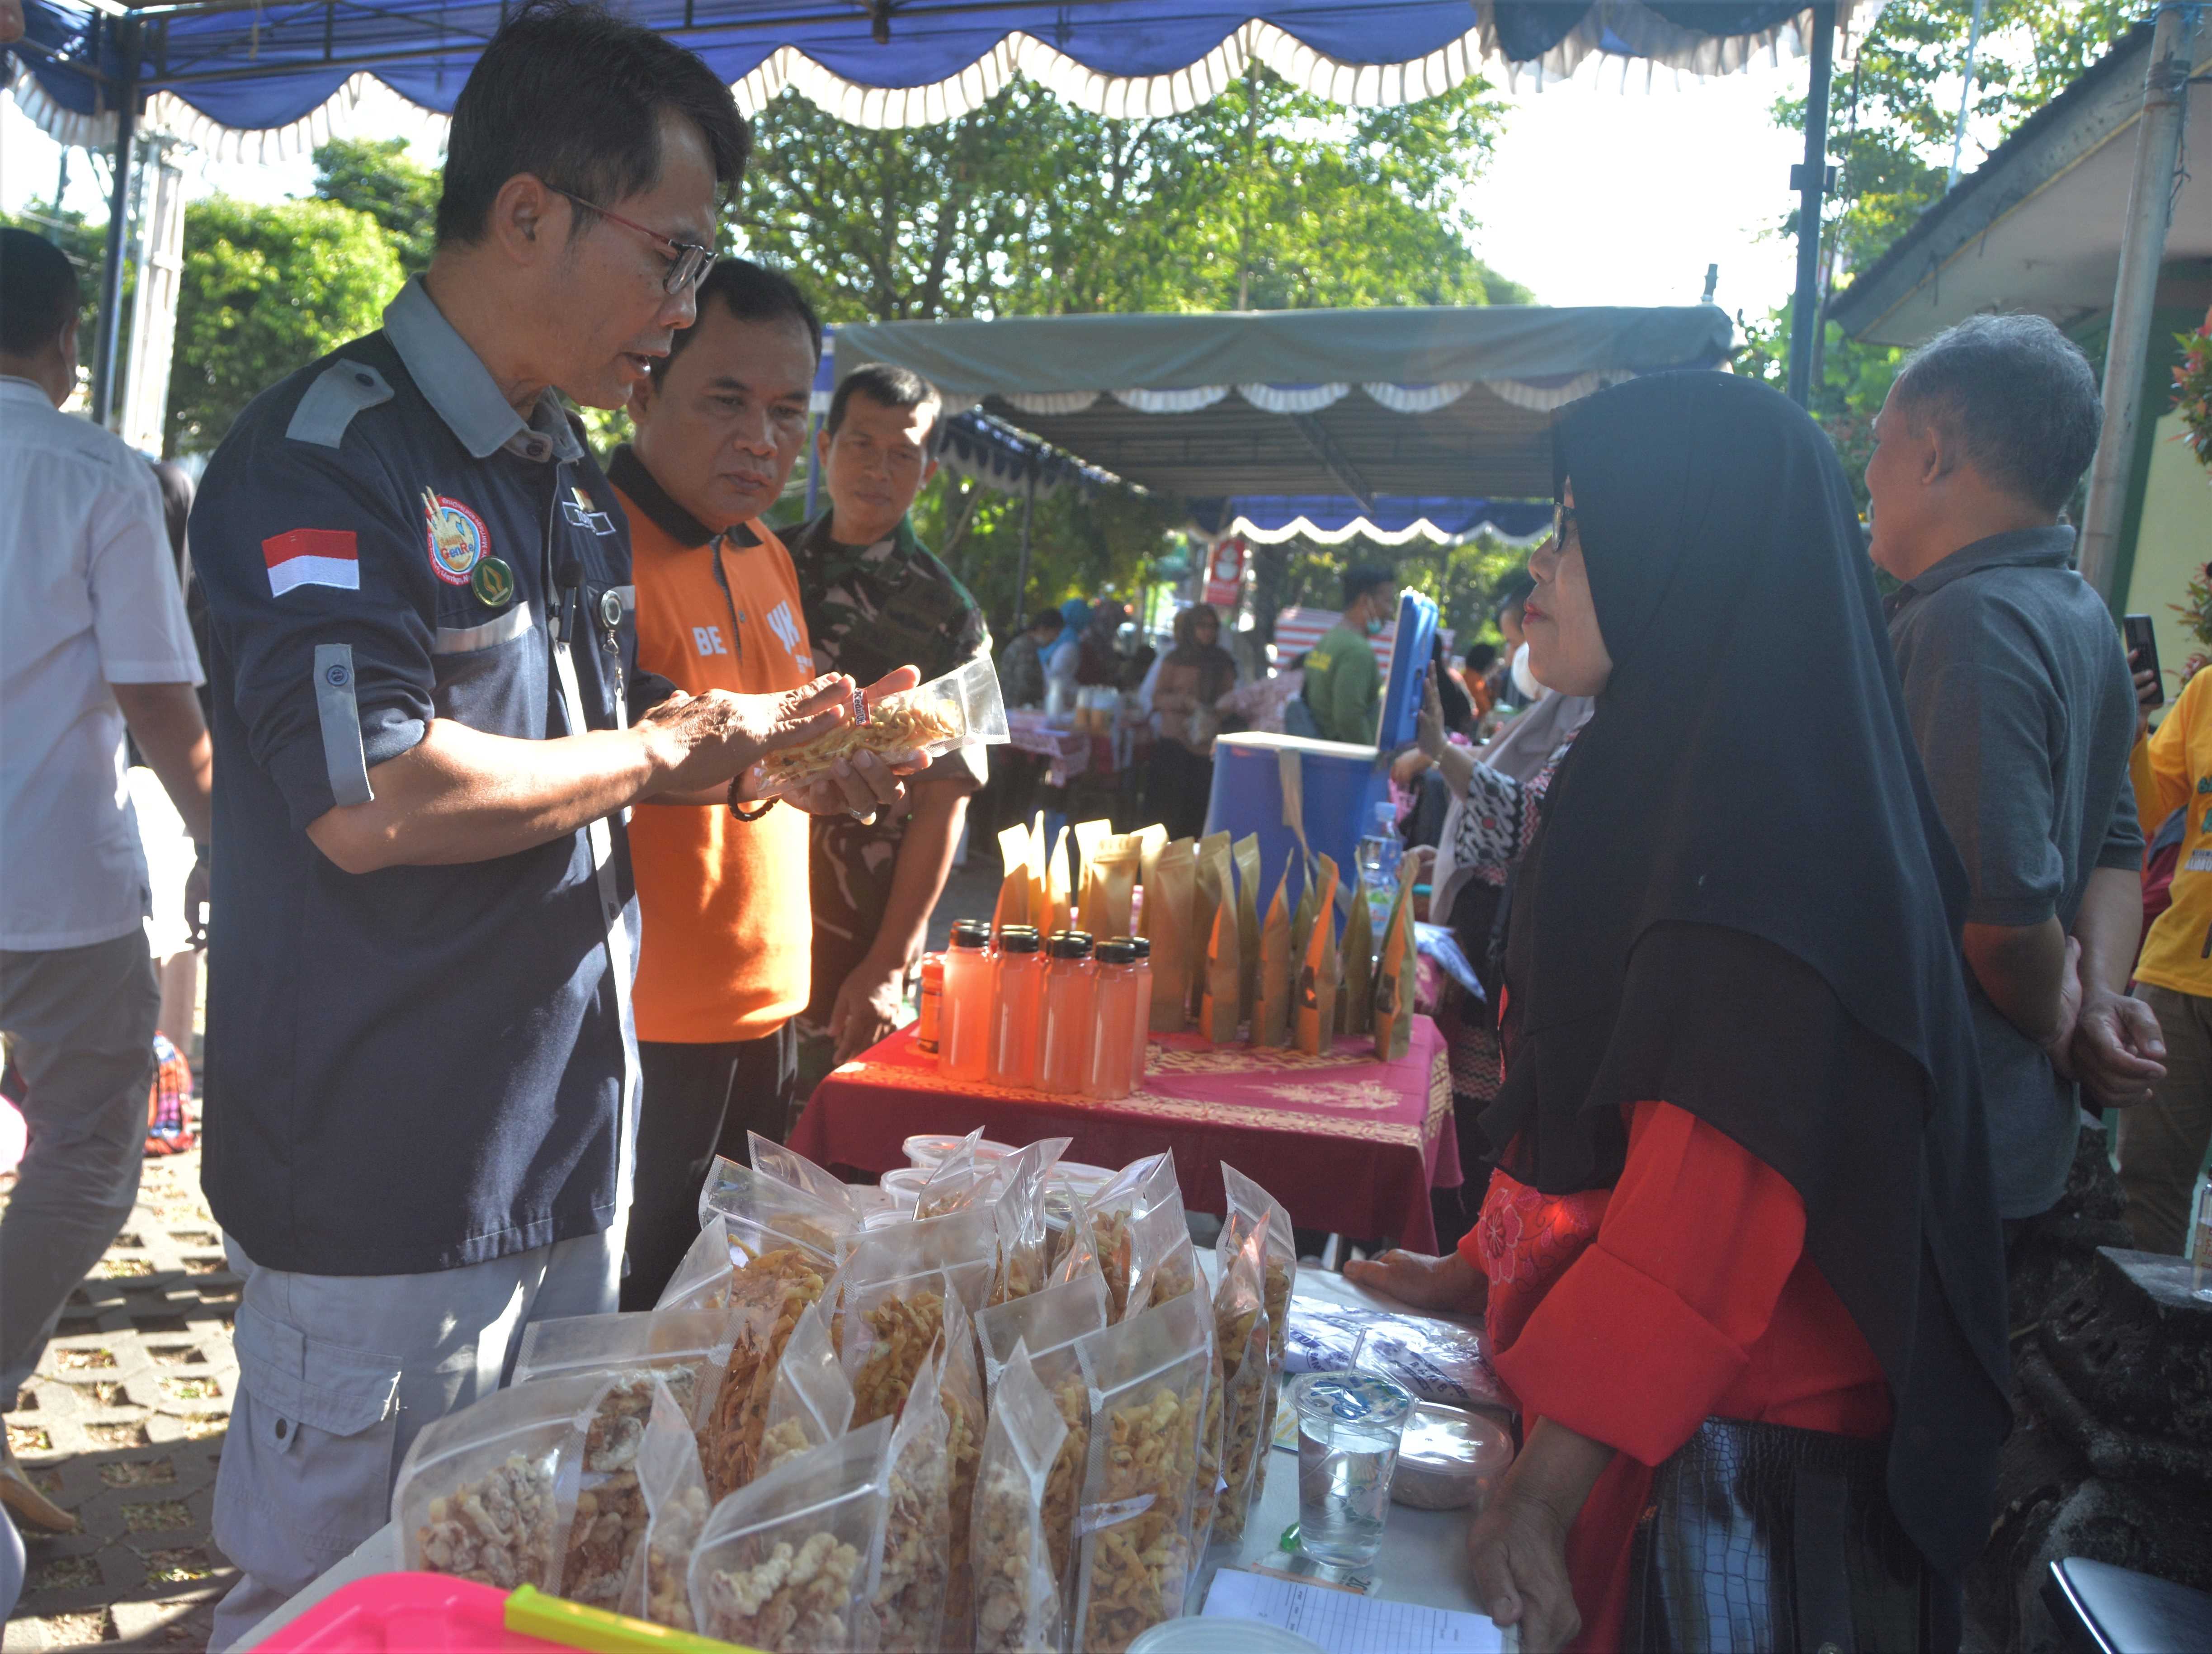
{"points": [[1009, 1418]]}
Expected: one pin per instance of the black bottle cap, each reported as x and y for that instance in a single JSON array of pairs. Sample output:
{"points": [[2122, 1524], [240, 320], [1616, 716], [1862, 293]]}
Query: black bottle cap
{"points": [[1117, 953], [971, 932], [1142, 944], [1070, 944], [1019, 938]]}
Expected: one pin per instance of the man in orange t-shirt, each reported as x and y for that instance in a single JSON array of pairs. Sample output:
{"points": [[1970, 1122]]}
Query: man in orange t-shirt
{"points": [[727, 936]]}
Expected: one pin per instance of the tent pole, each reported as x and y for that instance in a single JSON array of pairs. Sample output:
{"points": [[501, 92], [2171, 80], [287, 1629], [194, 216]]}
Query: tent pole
{"points": [[1022, 568], [813, 463], [119, 212], [1811, 181], [2142, 250]]}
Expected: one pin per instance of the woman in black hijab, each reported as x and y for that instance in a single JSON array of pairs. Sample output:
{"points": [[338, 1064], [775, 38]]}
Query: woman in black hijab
{"points": [[1741, 1261]]}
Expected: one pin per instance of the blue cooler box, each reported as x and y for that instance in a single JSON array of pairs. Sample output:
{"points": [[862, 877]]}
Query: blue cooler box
{"points": [[1341, 786]]}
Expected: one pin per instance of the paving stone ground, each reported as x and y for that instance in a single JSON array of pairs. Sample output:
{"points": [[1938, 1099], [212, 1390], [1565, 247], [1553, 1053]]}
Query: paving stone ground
{"points": [[124, 1425]]}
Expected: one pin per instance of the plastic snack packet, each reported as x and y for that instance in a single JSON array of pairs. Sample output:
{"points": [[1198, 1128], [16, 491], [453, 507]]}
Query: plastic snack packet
{"points": [[1240, 1333], [702, 1280], [912, 1567], [675, 1491], [783, 1563], [960, 709], [810, 1402], [788, 1165], [608, 1522], [1018, 1608], [1279, 1278], [480, 1495], [1147, 1383]]}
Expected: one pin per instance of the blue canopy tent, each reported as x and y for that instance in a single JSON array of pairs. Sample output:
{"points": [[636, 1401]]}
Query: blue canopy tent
{"points": [[86, 69], [1396, 423]]}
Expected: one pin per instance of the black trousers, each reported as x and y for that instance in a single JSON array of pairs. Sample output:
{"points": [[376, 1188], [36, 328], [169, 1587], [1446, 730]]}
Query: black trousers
{"points": [[1178, 785], [699, 1101]]}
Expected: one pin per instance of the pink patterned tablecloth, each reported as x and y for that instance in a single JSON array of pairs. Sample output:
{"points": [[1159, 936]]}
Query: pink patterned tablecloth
{"points": [[1350, 1145]]}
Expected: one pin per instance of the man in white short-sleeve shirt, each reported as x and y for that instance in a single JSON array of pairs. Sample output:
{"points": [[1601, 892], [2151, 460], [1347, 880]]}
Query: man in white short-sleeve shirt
{"points": [[93, 636]]}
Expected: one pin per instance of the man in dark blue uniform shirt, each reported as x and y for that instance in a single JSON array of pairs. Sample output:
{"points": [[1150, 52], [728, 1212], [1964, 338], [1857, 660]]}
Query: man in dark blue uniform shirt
{"points": [[429, 729]]}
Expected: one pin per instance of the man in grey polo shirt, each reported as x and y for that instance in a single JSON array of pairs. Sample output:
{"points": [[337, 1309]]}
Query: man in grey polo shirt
{"points": [[2023, 709]]}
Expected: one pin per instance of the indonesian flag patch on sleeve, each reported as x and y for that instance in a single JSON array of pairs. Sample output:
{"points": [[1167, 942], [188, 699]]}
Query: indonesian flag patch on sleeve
{"points": [[313, 556]]}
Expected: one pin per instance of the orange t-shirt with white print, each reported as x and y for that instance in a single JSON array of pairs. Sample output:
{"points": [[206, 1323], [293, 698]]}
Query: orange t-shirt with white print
{"points": [[728, 933]]}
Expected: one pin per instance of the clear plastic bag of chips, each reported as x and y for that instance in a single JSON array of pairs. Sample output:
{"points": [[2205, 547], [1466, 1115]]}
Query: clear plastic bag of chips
{"points": [[1247, 1200], [761, 1213], [1240, 1335], [1147, 1379], [1018, 1608], [961, 1397], [484, 1494], [788, 1165], [768, 1295], [810, 1401], [783, 1563], [702, 1280], [960, 709], [689, 1349], [608, 1522], [913, 1566], [675, 1491]]}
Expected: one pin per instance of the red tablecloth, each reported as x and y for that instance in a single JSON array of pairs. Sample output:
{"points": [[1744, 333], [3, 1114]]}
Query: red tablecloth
{"points": [[1348, 1144]]}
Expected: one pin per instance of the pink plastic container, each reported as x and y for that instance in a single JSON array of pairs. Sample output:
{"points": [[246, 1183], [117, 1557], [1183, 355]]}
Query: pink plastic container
{"points": [[413, 1613]]}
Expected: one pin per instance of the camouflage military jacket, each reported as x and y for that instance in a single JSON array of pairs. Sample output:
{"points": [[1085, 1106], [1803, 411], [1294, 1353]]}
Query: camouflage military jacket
{"points": [[870, 609]]}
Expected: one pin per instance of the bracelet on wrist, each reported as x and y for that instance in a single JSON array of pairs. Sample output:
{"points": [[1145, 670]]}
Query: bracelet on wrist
{"points": [[740, 810]]}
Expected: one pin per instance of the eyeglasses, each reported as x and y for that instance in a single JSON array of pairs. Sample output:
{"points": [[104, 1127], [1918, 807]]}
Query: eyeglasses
{"points": [[687, 260], [1563, 519]]}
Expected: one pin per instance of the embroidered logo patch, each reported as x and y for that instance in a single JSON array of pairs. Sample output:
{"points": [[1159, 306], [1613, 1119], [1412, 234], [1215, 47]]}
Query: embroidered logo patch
{"points": [[579, 509], [313, 556], [456, 537]]}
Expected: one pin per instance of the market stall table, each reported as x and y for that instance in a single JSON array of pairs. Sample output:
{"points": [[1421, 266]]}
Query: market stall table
{"points": [[1349, 1145], [1423, 1561]]}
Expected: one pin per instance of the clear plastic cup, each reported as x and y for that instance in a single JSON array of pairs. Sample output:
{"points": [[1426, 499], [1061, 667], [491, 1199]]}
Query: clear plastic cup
{"points": [[1350, 1424]]}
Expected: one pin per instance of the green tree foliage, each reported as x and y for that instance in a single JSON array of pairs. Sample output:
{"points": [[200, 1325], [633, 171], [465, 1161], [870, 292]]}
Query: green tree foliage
{"points": [[1894, 119], [1262, 196], [265, 290], [376, 177]]}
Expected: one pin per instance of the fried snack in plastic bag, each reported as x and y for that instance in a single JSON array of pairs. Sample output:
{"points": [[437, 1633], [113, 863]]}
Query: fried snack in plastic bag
{"points": [[783, 1563], [1147, 1383], [1169, 890], [702, 1280], [761, 1213], [960, 709], [1240, 1333], [1244, 854], [1314, 1021], [689, 1349], [810, 1402], [1045, 1320], [1018, 1608], [608, 1523], [1020, 1213], [961, 1396], [485, 1493], [675, 1490], [1247, 1200], [911, 1567], [767, 1297]]}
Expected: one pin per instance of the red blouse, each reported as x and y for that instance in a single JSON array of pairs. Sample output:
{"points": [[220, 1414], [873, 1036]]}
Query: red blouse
{"points": [[1631, 1315]]}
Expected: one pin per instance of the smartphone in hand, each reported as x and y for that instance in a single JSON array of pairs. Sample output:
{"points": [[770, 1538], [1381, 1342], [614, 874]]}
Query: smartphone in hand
{"points": [[2142, 644]]}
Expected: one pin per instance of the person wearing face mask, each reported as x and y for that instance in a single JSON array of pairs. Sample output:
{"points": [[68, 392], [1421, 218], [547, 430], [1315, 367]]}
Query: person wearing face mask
{"points": [[1344, 685], [724, 963], [1742, 1232]]}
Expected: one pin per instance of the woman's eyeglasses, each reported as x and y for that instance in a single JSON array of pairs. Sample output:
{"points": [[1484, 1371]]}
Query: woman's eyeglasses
{"points": [[687, 260], [1563, 523]]}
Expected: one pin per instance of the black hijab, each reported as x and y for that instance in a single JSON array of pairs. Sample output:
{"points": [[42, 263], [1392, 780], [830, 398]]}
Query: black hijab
{"points": [[1742, 902]]}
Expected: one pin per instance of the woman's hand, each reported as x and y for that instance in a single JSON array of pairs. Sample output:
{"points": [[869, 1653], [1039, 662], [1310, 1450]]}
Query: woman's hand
{"points": [[1517, 1548], [1429, 731], [1407, 765], [1446, 1286], [1517, 1554]]}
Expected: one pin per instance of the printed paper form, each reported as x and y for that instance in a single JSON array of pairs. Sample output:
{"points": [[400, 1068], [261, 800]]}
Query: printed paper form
{"points": [[1344, 1623]]}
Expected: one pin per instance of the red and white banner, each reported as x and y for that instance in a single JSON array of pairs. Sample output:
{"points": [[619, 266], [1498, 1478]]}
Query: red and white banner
{"points": [[1224, 573]]}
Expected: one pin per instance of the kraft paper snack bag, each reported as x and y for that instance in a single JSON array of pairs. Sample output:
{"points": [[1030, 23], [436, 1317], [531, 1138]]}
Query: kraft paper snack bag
{"points": [[1169, 884], [1245, 855], [1317, 1011], [1277, 976]]}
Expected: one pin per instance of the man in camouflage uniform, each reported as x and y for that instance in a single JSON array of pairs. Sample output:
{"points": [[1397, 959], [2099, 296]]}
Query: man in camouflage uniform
{"points": [[873, 593]]}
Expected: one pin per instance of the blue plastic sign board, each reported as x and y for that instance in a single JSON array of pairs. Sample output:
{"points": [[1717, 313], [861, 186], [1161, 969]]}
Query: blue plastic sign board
{"points": [[1410, 653]]}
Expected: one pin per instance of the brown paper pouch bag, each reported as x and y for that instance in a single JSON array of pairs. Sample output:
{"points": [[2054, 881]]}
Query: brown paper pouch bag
{"points": [[1316, 1014], [1210, 890], [1168, 895], [1245, 855], [1225, 961], [1394, 983], [1355, 1006], [1278, 974]]}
